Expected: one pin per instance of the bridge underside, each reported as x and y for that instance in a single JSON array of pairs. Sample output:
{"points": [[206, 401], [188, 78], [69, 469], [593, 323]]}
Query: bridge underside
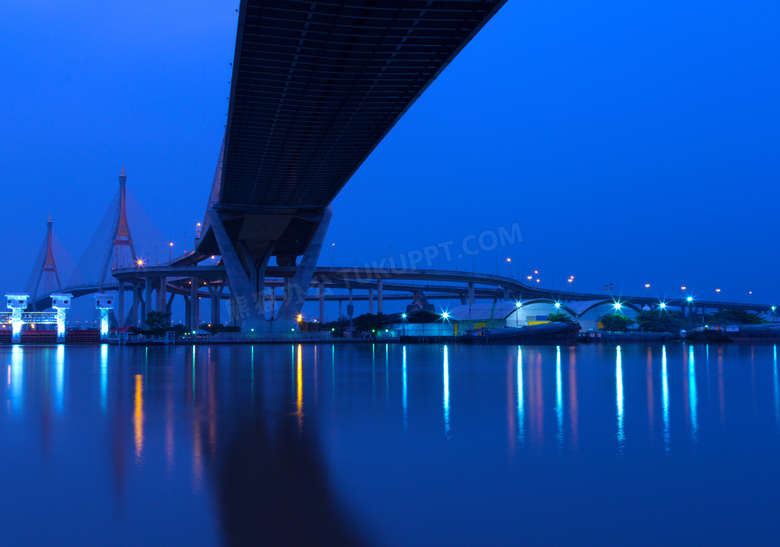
{"points": [[315, 88]]}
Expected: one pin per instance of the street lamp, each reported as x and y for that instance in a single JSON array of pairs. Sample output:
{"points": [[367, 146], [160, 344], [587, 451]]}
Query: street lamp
{"points": [[647, 289], [718, 291], [509, 261], [332, 254], [170, 250]]}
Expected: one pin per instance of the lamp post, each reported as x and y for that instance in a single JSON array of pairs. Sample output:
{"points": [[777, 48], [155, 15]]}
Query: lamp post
{"points": [[647, 289], [332, 255], [718, 291], [170, 251], [509, 261]]}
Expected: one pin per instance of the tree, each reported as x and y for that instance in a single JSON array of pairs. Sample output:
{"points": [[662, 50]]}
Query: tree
{"points": [[559, 318], [157, 320], [734, 317], [615, 322], [368, 322], [660, 320]]}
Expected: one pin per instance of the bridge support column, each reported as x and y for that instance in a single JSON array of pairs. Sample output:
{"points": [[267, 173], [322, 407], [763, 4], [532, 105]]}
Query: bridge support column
{"points": [[148, 306], [371, 300], [216, 295], [187, 313], [350, 308], [246, 275], [120, 304], [471, 293], [194, 305], [233, 318], [132, 319], [161, 295], [272, 310], [293, 302], [379, 296], [322, 301]]}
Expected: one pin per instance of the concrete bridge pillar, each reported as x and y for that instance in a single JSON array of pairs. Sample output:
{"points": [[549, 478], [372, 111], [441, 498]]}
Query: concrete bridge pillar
{"points": [[120, 305], [471, 293], [133, 318], [161, 295], [379, 306], [371, 300], [194, 305], [187, 314], [322, 301], [148, 305], [233, 319], [272, 294]]}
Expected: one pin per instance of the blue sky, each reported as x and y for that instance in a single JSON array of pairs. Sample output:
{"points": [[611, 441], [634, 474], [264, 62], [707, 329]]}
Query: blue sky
{"points": [[632, 142]]}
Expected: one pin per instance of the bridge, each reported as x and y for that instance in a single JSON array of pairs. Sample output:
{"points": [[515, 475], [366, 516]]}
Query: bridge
{"points": [[315, 88]]}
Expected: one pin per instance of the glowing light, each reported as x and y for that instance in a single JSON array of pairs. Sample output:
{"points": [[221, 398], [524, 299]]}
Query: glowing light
{"points": [[140, 262], [518, 304], [403, 316], [557, 305], [774, 308], [617, 305], [445, 315], [683, 288], [170, 244], [689, 299], [300, 318], [662, 305]]}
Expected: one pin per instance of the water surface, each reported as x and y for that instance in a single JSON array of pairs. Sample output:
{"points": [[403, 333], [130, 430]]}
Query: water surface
{"points": [[390, 444]]}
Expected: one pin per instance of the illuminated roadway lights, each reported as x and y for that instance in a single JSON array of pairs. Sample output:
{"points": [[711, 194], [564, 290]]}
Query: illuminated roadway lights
{"points": [[17, 303], [617, 306], [662, 305], [689, 299], [61, 303], [104, 303], [557, 305]]}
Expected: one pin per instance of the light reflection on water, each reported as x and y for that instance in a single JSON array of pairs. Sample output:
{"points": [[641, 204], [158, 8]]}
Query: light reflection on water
{"points": [[446, 394], [621, 436], [141, 431]]}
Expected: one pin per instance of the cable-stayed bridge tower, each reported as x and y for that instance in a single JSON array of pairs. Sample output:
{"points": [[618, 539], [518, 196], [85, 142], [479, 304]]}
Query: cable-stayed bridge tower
{"points": [[120, 253], [46, 276]]}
